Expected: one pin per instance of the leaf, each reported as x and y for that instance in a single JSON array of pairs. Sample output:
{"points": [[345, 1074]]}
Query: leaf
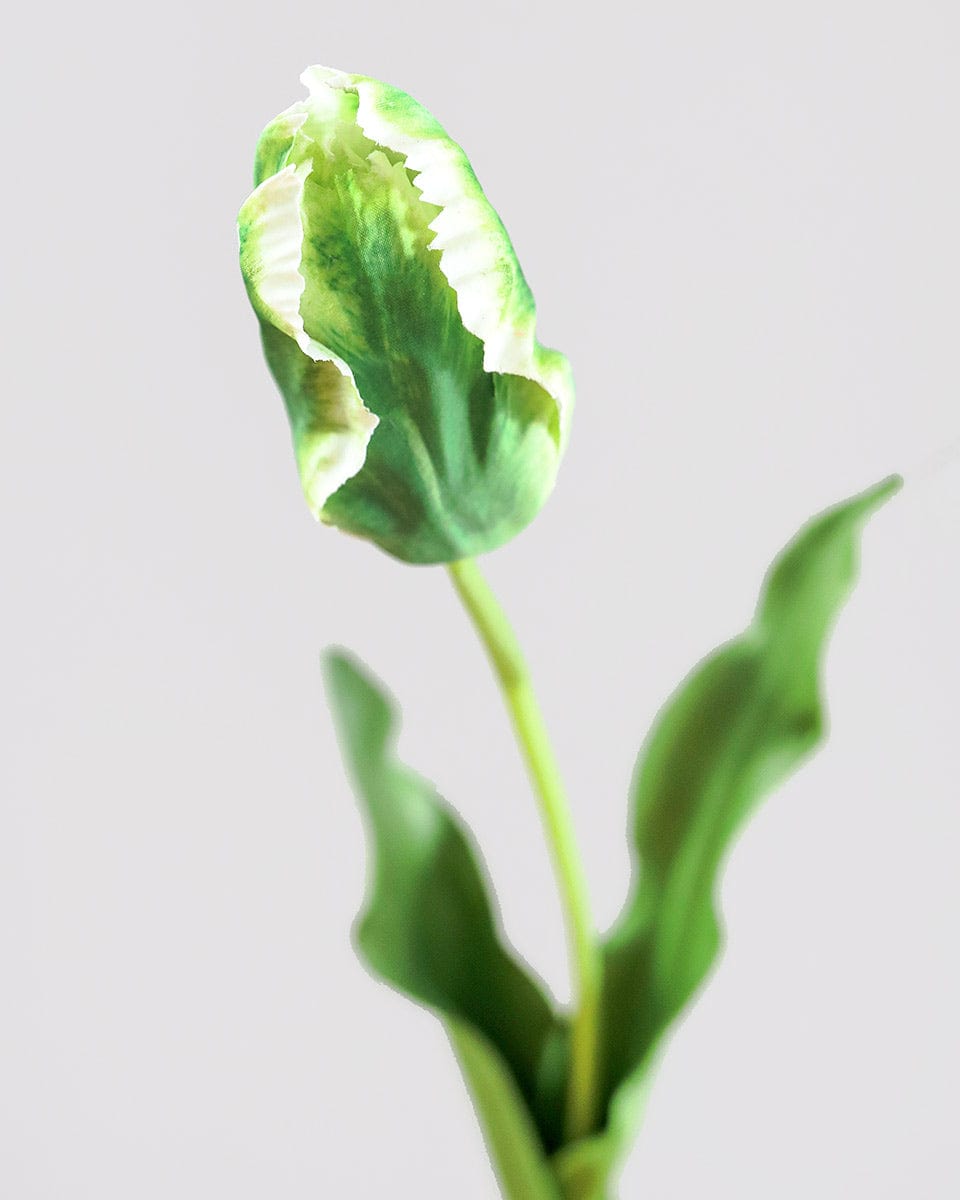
{"points": [[585, 1169], [738, 725], [509, 1132], [430, 929]]}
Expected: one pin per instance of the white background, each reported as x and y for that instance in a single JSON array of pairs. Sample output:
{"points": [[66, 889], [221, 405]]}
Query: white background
{"points": [[740, 221]]}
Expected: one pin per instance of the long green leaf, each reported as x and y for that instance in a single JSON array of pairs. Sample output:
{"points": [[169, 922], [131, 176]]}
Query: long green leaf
{"points": [[738, 725], [430, 929], [511, 1137]]}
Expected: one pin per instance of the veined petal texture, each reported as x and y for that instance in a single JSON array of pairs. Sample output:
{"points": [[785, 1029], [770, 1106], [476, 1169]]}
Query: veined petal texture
{"points": [[399, 327]]}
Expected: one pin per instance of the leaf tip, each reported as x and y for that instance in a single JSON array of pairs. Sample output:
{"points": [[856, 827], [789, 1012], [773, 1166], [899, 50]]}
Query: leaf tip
{"points": [[881, 492], [341, 672]]}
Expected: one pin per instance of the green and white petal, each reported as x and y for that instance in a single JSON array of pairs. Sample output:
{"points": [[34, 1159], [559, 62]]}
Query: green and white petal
{"points": [[331, 425], [476, 255], [276, 142], [390, 298]]}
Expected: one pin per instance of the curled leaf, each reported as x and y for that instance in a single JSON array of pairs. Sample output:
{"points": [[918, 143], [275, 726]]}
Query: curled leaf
{"points": [[745, 718], [430, 929]]}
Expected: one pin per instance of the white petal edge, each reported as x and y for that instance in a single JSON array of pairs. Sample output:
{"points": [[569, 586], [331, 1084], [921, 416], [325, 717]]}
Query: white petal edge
{"points": [[270, 260], [476, 255]]}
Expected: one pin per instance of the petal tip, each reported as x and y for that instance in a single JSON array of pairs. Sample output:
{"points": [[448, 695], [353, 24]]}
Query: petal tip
{"points": [[316, 77]]}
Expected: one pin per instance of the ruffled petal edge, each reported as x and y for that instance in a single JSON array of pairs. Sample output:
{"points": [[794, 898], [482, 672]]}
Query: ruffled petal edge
{"points": [[332, 448], [476, 255]]}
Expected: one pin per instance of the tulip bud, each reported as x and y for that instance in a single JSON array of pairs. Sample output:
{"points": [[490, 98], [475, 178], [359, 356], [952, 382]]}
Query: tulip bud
{"points": [[398, 326]]}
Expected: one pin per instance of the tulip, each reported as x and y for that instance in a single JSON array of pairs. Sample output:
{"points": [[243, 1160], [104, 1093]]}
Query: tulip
{"points": [[398, 326]]}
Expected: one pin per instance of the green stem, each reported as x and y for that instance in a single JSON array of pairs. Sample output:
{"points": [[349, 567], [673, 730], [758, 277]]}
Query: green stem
{"points": [[507, 659]]}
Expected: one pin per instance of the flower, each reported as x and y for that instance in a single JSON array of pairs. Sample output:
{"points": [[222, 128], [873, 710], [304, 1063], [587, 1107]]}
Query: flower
{"points": [[398, 326]]}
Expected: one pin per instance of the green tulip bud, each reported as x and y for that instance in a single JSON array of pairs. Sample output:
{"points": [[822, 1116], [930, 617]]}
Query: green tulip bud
{"points": [[398, 326]]}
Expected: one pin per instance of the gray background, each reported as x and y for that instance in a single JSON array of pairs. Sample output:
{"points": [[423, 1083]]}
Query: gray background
{"points": [[740, 221]]}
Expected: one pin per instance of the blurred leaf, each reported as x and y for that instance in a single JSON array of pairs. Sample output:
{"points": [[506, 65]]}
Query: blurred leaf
{"points": [[738, 725], [585, 1169], [509, 1132], [429, 928]]}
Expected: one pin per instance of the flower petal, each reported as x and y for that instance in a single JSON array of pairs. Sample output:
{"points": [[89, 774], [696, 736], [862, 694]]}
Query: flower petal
{"points": [[476, 255], [331, 425]]}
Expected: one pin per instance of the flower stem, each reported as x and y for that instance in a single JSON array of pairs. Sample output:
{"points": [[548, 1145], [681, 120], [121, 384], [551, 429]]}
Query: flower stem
{"points": [[506, 657]]}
